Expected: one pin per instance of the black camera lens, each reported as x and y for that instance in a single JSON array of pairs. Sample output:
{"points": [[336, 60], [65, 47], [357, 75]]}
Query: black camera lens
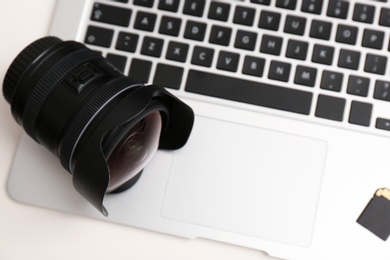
{"points": [[103, 126]]}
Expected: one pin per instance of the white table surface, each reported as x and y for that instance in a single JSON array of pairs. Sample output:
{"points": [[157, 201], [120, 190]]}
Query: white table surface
{"points": [[28, 232]]}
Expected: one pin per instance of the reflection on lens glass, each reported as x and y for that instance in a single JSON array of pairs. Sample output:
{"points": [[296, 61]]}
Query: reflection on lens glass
{"points": [[134, 151]]}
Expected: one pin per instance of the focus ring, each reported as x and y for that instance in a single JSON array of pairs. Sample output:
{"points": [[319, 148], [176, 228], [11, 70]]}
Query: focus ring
{"points": [[48, 81]]}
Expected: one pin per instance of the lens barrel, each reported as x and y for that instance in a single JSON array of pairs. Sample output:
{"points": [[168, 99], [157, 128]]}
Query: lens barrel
{"points": [[74, 102]]}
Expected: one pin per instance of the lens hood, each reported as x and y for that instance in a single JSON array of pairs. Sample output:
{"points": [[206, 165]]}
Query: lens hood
{"points": [[74, 102]]}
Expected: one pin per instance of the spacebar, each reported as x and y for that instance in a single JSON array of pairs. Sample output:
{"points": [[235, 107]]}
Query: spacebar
{"points": [[250, 92]]}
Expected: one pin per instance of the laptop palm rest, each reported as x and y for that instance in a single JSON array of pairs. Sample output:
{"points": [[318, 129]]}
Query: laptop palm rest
{"points": [[272, 193]]}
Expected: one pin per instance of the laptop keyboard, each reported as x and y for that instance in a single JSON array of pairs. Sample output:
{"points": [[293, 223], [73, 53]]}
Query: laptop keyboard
{"points": [[325, 60]]}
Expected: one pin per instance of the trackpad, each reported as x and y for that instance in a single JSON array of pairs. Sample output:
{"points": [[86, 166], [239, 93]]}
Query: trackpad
{"points": [[247, 180]]}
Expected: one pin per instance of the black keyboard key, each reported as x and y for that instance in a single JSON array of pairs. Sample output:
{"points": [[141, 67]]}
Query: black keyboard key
{"points": [[358, 86], [261, 2], [322, 54], [253, 66], [305, 76], [140, 70], [202, 56], [146, 3], [111, 14], [152, 46], [169, 5], [195, 31], [331, 80], [373, 39], [245, 40], [99, 36], [127, 42], [168, 76], [219, 11], [383, 123], [244, 15], [177, 51], [320, 29], [286, 4], [375, 64], [250, 92], [346, 34], [269, 20], [194, 7], [360, 113], [297, 50], [338, 9], [145, 21], [228, 61], [363, 13], [382, 90], [170, 26], [220, 35], [279, 71], [331, 108], [311, 6], [271, 44], [295, 25], [118, 61], [384, 18], [349, 59]]}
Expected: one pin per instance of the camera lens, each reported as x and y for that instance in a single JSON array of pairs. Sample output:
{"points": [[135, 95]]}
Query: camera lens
{"points": [[103, 126]]}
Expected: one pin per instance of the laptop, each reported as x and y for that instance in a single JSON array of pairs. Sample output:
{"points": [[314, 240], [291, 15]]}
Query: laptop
{"points": [[292, 127]]}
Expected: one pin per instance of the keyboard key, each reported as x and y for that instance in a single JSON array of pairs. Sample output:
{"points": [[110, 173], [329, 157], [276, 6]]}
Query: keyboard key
{"points": [[245, 40], [360, 113], [363, 13], [358, 86], [244, 15], [286, 4], [269, 20], [271, 44], [152, 46], [195, 30], [323, 54], [295, 25], [305, 76], [338, 9], [261, 2], [140, 70], [145, 21], [320, 29], [383, 123], [111, 14], [219, 11], [297, 50], [279, 71], [349, 59], [331, 80], [373, 39], [253, 66], [375, 64], [170, 26], [220, 35], [118, 61], [194, 7], [384, 18], [331, 108], [346, 34], [127, 42], [99, 36], [146, 3], [255, 93], [228, 61], [311, 6], [177, 51], [382, 90], [169, 5], [168, 76], [202, 56]]}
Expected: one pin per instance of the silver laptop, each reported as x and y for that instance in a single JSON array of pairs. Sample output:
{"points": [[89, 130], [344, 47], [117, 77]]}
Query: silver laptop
{"points": [[292, 127]]}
